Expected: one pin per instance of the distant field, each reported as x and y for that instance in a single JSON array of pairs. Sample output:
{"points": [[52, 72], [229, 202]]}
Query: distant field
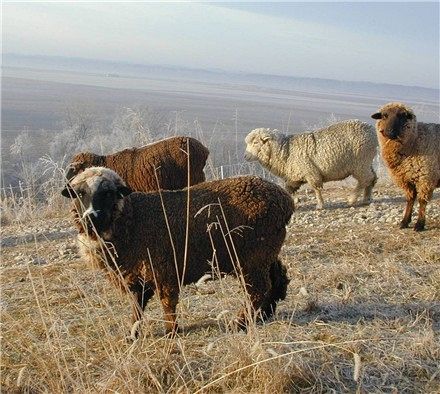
{"points": [[39, 99]]}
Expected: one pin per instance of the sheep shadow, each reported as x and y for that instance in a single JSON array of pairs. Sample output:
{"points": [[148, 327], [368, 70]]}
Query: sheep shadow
{"points": [[16, 240], [207, 324], [362, 312], [356, 313], [310, 205]]}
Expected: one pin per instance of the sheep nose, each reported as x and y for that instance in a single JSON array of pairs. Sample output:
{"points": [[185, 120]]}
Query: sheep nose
{"points": [[247, 156], [393, 134]]}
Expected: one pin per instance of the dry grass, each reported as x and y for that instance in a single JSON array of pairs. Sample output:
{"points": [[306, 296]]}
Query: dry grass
{"points": [[362, 315]]}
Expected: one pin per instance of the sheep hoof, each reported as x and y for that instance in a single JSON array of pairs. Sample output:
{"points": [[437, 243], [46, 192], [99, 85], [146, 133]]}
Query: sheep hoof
{"points": [[237, 324], [403, 224], [172, 332], [131, 338], [419, 226]]}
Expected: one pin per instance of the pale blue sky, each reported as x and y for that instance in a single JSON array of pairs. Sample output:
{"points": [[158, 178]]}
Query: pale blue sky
{"points": [[380, 42]]}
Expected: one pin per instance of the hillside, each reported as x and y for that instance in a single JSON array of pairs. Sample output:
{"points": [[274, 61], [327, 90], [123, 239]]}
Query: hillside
{"points": [[362, 313], [175, 73]]}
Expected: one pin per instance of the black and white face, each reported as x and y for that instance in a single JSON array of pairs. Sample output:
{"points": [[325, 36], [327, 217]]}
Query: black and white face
{"points": [[95, 198]]}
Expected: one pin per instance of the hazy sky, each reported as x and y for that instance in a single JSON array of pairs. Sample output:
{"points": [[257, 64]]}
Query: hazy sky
{"points": [[380, 42]]}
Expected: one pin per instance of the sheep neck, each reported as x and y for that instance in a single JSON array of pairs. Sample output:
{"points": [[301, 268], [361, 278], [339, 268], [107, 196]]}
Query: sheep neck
{"points": [[276, 159], [394, 152]]}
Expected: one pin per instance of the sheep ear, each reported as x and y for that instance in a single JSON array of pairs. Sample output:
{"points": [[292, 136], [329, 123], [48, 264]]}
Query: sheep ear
{"points": [[265, 138], [377, 115], [68, 192], [71, 171], [124, 191]]}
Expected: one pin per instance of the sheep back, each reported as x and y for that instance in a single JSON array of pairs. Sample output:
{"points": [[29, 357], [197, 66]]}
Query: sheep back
{"points": [[164, 162], [243, 215], [336, 151]]}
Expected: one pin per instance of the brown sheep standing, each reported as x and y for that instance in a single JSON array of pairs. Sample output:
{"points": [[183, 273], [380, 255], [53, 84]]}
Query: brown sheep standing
{"points": [[411, 150], [137, 166], [233, 220]]}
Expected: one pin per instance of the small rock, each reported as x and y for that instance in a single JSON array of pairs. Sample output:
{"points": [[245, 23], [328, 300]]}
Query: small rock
{"points": [[38, 261]]}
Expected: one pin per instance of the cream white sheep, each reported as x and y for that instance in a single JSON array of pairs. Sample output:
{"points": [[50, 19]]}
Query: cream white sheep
{"points": [[329, 154]]}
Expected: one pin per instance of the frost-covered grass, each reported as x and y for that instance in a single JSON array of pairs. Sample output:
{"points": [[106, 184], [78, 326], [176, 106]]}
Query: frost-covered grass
{"points": [[362, 314]]}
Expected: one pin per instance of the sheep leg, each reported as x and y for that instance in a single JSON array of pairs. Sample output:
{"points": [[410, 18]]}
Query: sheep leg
{"points": [[366, 179], [142, 294], [291, 188], [169, 297], [355, 193], [369, 189], [314, 179], [279, 282], [320, 201], [259, 289], [410, 199], [420, 224], [141, 299], [424, 192]]}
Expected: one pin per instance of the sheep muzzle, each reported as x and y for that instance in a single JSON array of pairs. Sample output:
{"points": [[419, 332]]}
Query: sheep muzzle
{"points": [[249, 156]]}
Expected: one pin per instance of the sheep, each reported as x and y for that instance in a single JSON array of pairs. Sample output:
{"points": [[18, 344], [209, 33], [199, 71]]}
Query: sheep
{"points": [[329, 154], [411, 151], [163, 164], [235, 226]]}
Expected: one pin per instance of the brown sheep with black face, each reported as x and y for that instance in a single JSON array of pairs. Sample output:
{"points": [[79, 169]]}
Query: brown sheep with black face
{"points": [[411, 150], [164, 162], [236, 226]]}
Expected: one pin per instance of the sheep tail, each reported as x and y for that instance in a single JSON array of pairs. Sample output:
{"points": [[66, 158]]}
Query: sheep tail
{"points": [[279, 279]]}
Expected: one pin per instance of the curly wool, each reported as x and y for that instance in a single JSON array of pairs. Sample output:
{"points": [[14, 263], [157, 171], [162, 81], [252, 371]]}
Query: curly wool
{"points": [[413, 159], [164, 162], [329, 154], [237, 219]]}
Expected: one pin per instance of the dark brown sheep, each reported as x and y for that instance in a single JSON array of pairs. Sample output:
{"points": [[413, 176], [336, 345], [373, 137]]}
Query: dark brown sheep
{"points": [[411, 151], [236, 226], [167, 159]]}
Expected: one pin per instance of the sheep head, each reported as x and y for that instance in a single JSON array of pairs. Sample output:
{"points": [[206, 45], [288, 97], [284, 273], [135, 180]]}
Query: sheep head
{"points": [[81, 161], [97, 194], [259, 145], [395, 121]]}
